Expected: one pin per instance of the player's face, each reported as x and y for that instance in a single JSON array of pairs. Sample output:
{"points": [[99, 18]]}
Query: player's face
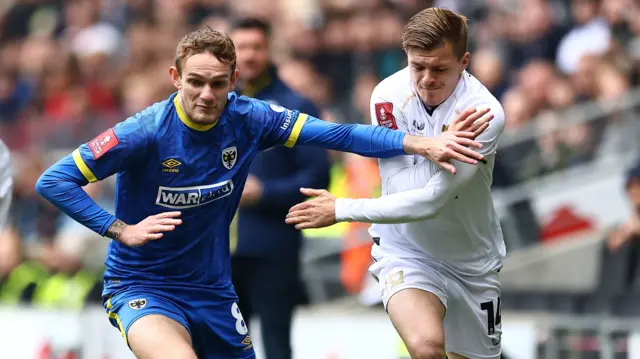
{"points": [[435, 73], [203, 87], [252, 47]]}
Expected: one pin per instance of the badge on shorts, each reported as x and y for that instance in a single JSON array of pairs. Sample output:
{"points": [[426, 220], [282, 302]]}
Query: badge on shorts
{"points": [[247, 343], [229, 156], [137, 304], [394, 279]]}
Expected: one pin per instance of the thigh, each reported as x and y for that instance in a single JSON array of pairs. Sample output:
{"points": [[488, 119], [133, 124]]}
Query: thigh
{"points": [[151, 324], [156, 336], [473, 323], [415, 297], [417, 317]]}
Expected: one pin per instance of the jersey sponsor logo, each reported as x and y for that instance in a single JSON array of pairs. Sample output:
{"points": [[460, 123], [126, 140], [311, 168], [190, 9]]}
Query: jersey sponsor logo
{"points": [[287, 120], [229, 157], [171, 165], [103, 143], [418, 125], [188, 197], [384, 114], [137, 304]]}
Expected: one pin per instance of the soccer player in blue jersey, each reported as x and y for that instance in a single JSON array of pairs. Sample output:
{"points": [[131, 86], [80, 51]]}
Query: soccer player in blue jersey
{"points": [[181, 165]]}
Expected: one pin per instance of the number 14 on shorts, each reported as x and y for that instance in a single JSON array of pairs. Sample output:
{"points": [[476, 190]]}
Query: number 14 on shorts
{"points": [[494, 316]]}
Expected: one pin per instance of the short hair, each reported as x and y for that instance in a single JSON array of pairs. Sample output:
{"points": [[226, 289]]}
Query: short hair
{"points": [[252, 23], [208, 40], [432, 27]]}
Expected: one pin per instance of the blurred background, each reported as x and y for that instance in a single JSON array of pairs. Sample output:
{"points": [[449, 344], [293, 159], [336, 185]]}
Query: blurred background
{"points": [[566, 182]]}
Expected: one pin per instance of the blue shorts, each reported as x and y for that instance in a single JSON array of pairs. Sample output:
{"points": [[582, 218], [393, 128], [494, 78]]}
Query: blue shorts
{"points": [[210, 315]]}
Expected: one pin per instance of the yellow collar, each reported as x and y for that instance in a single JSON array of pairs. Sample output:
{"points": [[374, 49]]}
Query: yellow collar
{"points": [[183, 117]]}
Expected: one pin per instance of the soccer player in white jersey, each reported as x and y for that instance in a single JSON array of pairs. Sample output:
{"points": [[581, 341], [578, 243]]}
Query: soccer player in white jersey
{"points": [[438, 243], [6, 184]]}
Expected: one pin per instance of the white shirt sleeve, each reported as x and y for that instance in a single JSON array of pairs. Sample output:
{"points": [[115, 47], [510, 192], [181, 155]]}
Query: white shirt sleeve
{"points": [[412, 198]]}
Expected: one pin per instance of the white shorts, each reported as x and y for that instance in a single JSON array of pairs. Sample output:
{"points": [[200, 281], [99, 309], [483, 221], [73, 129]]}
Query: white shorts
{"points": [[472, 323]]}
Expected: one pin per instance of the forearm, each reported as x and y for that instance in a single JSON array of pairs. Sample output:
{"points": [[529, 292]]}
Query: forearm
{"points": [[408, 205], [365, 140], [62, 186], [403, 207]]}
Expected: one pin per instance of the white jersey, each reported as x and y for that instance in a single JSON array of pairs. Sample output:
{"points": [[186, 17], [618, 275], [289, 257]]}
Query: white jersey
{"points": [[425, 212], [6, 183]]}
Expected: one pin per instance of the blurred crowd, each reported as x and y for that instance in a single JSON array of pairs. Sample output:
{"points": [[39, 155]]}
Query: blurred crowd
{"points": [[71, 68]]}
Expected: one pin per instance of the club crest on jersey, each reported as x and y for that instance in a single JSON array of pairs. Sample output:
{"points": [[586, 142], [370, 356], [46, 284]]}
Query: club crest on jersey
{"points": [[229, 157], [103, 143], [384, 115], [137, 304], [277, 108]]}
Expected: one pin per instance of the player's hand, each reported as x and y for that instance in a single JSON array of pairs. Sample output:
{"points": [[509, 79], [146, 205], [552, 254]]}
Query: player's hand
{"points": [[472, 120], [450, 146], [444, 148], [149, 229], [315, 213]]}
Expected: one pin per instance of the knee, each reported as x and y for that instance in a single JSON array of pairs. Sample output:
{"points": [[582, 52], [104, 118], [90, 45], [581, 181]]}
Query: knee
{"points": [[424, 349]]}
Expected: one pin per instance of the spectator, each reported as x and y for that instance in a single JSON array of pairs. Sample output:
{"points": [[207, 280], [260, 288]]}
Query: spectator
{"points": [[629, 230], [265, 264]]}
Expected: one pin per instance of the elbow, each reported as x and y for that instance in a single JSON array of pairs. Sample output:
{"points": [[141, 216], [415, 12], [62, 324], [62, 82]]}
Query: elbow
{"points": [[42, 184], [46, 184]]}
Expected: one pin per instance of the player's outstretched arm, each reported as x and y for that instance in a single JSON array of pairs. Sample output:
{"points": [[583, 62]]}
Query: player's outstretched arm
{"points": [[381, 142], [277, 125], [405, 206]]}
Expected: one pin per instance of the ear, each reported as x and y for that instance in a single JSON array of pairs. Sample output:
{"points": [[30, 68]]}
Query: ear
{"points": [[234, 80], [175, 77], [465, 61]]}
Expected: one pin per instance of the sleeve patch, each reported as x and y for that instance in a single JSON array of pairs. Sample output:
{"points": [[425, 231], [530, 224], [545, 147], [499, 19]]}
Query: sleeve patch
{"points": [[103, 143], [384, 114]]}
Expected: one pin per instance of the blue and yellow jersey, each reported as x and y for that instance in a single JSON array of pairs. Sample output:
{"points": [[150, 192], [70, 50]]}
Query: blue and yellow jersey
{"points": [[165, 162]]}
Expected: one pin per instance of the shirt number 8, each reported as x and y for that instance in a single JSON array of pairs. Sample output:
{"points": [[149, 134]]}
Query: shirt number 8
{"points": [[241, 326]]}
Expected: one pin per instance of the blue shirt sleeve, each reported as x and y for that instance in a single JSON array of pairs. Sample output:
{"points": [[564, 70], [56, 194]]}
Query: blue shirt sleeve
{"points": [[113, 150], [365, 140], [61, 184], [110, 152], [279, 125]]}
